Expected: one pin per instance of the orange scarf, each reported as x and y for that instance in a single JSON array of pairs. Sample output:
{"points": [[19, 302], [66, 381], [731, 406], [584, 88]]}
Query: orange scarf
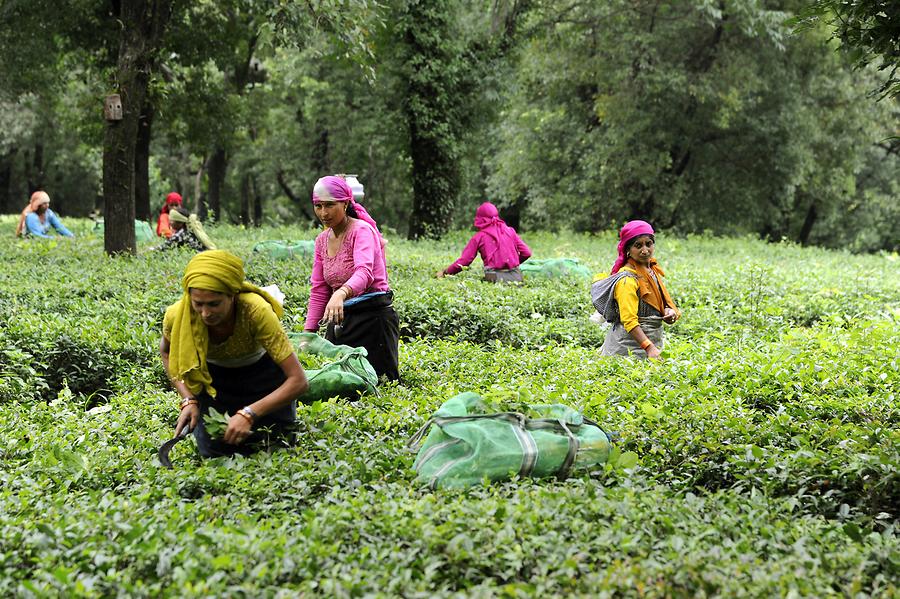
{"points": [[651, 293]]}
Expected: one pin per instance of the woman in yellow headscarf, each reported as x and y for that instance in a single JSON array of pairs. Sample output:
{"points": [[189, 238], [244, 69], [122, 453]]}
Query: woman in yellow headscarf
{"points": [[223, 346]]}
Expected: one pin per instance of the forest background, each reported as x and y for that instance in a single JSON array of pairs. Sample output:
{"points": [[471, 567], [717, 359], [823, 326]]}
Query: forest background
{"points": [[698, 115]]}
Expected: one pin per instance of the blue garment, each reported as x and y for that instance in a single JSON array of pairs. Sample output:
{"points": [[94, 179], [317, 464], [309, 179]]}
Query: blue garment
{"points": [[364, 296], [34, 226]]}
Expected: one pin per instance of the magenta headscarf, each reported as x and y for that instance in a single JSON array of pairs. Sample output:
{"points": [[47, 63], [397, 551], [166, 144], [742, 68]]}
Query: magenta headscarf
{"points": [[335, 189], [487, 219], [632, 229]]}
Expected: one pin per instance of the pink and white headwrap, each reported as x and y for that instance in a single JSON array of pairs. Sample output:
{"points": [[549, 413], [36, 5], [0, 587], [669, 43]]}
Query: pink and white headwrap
{"points": [[335, 189], [632, 229]]}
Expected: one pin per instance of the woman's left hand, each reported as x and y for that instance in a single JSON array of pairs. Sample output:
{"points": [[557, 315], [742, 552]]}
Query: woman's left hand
{"points": [[670, 316], [238, 430]]}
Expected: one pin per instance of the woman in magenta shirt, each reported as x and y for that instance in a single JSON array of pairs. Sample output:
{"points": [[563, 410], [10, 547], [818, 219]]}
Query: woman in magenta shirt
{"points": [[350, 289], [501, 249]]}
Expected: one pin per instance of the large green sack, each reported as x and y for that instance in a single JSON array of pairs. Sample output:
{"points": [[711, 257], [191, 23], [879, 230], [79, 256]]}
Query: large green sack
{"points": [[142, 230], [348, 375], [466, 445], [279, 249], [554, 268]]}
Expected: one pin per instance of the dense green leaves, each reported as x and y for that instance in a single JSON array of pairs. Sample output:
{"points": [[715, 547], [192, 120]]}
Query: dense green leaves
{"points": [[695, 115], [868, 30], [759, 458]]}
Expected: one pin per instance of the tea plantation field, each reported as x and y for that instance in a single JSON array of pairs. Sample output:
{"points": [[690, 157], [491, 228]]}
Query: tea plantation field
{"points": [[768, 440]]}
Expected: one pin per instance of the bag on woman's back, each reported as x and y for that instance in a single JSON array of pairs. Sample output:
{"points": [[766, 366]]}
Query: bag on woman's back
{"points": [[348, 375], [466, 445]]}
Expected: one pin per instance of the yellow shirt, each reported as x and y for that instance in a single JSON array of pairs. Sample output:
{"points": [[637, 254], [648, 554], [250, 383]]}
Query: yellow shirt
{"points": [[628, 293], [627, 297], [257, 330]]}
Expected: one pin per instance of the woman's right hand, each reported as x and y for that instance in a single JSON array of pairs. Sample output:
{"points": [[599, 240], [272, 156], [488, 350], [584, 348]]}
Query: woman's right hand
{"points": [[653, 352], [190, 416], [334, 309], [440, 274]]}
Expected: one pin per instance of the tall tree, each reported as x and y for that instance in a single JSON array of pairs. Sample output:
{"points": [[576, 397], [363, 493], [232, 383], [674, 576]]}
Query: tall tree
{"points": [[435, 96], [143, 23]]}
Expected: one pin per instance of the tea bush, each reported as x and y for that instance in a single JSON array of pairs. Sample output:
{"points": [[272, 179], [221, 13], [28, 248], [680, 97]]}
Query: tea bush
{"points": [[767, 439]]}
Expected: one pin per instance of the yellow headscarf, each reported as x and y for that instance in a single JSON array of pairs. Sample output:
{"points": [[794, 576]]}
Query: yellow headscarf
{"points": [[213, 270]]}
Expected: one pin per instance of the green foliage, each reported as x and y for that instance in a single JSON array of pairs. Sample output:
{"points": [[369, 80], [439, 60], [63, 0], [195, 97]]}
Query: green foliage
{"points": [[760, 458], [868, 30], [617, 110], [215, 423], [568, 115], [436, 77]]}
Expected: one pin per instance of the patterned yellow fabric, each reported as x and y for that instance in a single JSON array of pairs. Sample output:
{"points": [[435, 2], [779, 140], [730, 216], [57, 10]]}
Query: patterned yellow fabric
{"points": [[213, 270], [256, 327]]}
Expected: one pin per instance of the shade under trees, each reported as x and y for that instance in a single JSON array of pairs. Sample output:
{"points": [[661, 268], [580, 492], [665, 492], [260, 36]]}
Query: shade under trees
{"points": [[698, 116]]}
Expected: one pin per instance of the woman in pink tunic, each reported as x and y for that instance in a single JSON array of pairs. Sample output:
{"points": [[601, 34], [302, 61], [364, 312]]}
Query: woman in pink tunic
{"points": [[501, 248], [350, 289]]}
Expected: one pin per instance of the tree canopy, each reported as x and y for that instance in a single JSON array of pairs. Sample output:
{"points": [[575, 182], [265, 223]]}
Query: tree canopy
{"points": [[724, 116]]}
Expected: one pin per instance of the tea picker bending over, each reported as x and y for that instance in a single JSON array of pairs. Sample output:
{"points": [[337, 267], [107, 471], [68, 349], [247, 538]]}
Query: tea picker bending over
{"points": [[37, 219], [501, 248], [634, 297], [224, 347], [349, 280], [187, 231]]}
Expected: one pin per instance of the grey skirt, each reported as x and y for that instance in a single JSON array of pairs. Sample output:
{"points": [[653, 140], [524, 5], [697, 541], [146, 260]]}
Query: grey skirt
{"points": [[501, 275], [619, 342]]}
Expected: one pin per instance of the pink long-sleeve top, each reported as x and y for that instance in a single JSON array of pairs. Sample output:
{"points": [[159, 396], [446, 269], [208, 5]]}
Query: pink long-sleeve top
{"points": [[506, 254], [359, 264]]}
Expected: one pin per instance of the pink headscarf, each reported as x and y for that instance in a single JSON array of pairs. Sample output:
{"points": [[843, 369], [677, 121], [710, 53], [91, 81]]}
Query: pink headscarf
{"points": [[632, 229], [487, 219], [335, 189]]}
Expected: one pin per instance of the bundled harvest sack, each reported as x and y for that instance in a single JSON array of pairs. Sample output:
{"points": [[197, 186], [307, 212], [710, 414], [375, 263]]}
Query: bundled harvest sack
{"points": [[348, 375], [285, 249], [142, 230], [554, 268], [466, 445]]}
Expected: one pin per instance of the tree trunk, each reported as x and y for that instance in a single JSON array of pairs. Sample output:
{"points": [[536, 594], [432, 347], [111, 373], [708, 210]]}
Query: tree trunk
{"points": [[34, 169], [319, 157], [142, 23], [7, 206], [279, 176], [257, 203], [199, 205], [218, 164], [142, 209], [808, 223], [434, 108], [245, 199]]}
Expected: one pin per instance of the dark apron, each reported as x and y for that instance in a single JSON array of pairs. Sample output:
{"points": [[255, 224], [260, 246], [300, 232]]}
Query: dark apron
{"points": [[373, 324], [239, 387]]}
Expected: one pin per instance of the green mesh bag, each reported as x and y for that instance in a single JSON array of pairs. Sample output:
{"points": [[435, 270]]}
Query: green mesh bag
{"points": [[554, 268], [348, 375], [142, 230], [466, 445], [278, 249]]}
